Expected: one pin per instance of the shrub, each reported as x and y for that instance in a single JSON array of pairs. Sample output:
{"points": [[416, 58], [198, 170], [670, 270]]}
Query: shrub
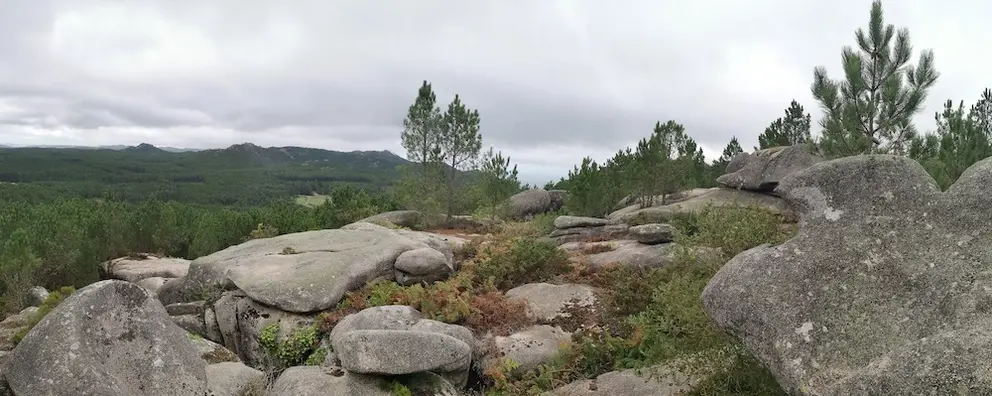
{"points": [[523, 261], [295, 349], [733, 229], [53, 300]]}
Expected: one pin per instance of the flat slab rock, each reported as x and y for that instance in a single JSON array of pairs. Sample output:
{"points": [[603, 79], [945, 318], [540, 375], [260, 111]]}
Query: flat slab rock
{"points": [[717, 196], [307, 271], [884, 291], [109, 338], [533, 346], [563, 222], [633, 253], [547, 301], [134, 269]]}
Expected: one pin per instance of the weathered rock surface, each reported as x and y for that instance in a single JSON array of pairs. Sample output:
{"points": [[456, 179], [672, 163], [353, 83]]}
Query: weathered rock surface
{"points": [[109, 338], [717, 196], [547, 301], [763, 170], [654, 381], [563, 222], [885, 290], [652, 233], [533, 346], [241, 320], [232, 379], [575, 234], [136, 268], [301, 272]]}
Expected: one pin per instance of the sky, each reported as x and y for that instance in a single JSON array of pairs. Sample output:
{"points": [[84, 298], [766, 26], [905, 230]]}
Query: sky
{"points": [[554, 80]]}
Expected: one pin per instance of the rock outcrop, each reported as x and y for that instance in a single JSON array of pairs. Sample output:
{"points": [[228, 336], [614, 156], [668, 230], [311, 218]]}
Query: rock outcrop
{"points": [[576, 228], [763, 170], [884, 291], [307, 271], [717, 196], [109, 338]]}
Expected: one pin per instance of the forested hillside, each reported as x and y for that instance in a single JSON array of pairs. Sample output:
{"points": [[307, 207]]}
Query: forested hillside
{"points": [[243, 174]]}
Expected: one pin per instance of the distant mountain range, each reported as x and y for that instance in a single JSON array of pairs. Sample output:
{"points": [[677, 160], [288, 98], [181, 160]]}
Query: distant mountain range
{"points": [[114, 147]]}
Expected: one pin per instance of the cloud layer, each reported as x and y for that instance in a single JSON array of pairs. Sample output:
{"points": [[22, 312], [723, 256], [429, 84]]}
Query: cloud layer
{"points": [[554, 80]]}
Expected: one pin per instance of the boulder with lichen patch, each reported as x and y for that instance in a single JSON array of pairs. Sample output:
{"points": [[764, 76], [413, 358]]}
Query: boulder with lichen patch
{"points": [[109, 338], [885, 289]]}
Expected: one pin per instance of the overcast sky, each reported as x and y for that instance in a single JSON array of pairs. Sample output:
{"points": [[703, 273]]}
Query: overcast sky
{"points": [[553, 80]]}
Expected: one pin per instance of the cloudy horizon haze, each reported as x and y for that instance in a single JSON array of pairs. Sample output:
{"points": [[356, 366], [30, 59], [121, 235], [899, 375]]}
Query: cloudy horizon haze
{"points": [[554, 81]]}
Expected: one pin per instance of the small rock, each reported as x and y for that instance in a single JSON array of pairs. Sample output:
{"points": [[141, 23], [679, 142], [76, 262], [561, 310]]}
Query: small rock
{"points": [[37, 295], [422, 265], [233, 379], [532, 347], [652, 233]]}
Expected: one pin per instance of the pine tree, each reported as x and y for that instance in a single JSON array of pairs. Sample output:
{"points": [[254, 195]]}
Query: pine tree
{"points": [[733, 148], [498, 181], [663, 162], [460, 145], [421, 137], [422, 128], [787, 131], [871, 110], [962, 139]]}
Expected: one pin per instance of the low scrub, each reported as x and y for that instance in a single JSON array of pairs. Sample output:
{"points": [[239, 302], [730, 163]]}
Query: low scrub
{"points": [[654, 317], [519, 261]]}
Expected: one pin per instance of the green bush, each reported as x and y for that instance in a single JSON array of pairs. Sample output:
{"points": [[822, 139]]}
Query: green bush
{"points": [[524, 261], [733, 229]]}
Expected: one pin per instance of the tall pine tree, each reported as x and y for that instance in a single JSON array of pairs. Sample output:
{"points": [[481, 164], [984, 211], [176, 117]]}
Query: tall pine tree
{"points": [[460, 146], [422, 137], [871, 110], [787, 131]]}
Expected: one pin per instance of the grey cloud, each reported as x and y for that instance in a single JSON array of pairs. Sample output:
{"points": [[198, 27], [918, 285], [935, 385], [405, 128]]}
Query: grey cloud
{"points": [[544, 75]]}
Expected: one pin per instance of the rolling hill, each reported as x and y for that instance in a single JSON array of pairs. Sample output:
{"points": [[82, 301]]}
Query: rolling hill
{"points": [[240, 174]]}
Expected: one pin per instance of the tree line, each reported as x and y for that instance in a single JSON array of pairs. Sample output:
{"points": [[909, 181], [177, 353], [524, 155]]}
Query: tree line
{"points": [[869, 111]]}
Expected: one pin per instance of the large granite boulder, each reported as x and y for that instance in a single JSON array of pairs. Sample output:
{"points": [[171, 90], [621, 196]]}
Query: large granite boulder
{"points": [[302, 272], [535, 201], [763, 170], [885, 290], [109, 338]]}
